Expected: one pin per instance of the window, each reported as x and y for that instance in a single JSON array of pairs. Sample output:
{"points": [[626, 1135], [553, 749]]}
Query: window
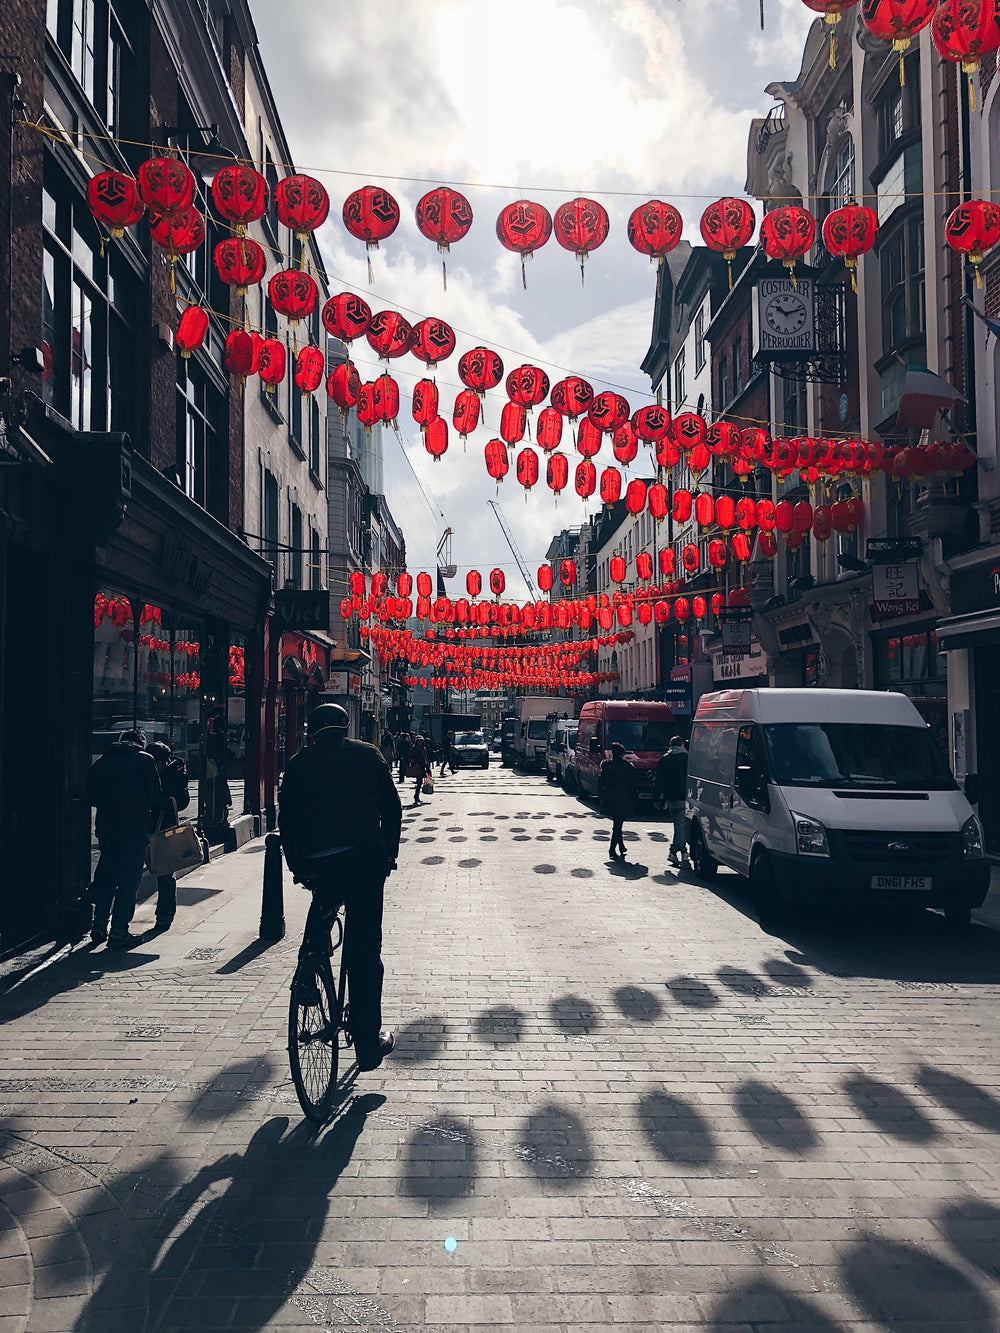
{"points": [[199, 411], [315, 440], [699, 342], [294, 413], [93, 40], [723, 383], [890, 120], [840, 182], [737, 368], [847, 754], [87, 308], [680, 391], [901, 262], [315, 560], [269, 528], [847, 542], [912, 664], [295, 541]]}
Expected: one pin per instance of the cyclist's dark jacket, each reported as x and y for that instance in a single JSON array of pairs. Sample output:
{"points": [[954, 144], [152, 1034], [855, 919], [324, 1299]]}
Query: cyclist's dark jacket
{"points": [[339, 793]]}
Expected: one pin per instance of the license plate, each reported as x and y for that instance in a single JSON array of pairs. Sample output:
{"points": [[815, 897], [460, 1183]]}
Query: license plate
{"points": [[645, 796], [909, 882]]}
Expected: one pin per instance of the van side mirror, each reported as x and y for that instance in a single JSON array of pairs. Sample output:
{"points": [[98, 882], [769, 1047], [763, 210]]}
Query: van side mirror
{"points": [[595, 745]]}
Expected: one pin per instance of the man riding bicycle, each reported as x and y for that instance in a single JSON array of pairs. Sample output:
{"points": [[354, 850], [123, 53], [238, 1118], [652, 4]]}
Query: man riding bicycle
{"points": [[339, 819]]}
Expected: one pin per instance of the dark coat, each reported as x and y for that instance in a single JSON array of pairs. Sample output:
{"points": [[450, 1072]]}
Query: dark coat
{"points": [[338, 793], [418, 764], [124, 786], [617, 789], [174, 788], [670, 780]]}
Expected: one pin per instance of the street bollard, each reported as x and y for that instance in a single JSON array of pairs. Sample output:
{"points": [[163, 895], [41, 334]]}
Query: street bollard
{"points": [[272, 902]]}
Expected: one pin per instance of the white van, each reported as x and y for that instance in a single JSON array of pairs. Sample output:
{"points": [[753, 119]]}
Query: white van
{"points": [[830, 796]]}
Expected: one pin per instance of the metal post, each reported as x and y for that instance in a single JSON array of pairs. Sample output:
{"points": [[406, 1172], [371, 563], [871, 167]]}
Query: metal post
{"points": [[272, 904]]}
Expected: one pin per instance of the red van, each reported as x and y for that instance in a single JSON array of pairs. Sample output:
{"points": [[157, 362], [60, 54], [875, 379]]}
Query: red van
{"points": [[644, 728]]}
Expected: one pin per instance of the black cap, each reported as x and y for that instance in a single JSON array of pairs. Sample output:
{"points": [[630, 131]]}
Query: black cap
{"points": [[328, 717]]}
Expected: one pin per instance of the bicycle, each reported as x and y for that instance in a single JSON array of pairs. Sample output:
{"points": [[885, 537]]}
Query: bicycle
{"points": [[318, 1013]]}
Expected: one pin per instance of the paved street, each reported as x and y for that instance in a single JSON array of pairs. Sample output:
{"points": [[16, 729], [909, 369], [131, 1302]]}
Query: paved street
{"points": [[627, 1106]]}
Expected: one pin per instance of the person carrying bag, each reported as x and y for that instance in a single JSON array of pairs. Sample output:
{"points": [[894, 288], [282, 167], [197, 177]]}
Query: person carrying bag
{"points": [[172, 846]]}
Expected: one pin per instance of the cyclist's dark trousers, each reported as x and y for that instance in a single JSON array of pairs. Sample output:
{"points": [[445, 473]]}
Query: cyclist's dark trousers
{"points": [[358, 879]]}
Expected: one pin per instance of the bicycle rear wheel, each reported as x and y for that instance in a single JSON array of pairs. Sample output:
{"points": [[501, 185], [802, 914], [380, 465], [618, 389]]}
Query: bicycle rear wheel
{"points": [[313, 1037]]}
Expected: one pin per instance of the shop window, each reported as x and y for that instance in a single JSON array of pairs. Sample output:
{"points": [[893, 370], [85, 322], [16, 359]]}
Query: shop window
{"points": [[236, 731], [113, 698], [911, 663], [87, 309]]}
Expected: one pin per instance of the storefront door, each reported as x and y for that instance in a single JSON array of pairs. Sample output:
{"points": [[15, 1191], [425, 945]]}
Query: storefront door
{"points": [[987, 683]]}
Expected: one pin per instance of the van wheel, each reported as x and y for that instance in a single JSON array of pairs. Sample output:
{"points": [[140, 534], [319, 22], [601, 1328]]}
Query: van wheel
{"points": [[701, 863], [765, 893], [958, 917]]}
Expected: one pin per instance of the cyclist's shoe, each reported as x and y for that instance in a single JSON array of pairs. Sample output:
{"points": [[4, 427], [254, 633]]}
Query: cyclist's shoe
{"points": [[371, 1057], [307, 992]]}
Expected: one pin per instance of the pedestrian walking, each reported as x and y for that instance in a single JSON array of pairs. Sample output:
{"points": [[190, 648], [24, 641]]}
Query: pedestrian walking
{"points": [[175, 795], [418, 766], [446, 751], [403, 747], [339, 818], [388, 748], [616, 794], [124, 786], [670, 789]]}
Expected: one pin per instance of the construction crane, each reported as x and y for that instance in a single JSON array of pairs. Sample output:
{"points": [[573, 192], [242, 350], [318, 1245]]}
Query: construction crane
{"points": [[495, 506]]}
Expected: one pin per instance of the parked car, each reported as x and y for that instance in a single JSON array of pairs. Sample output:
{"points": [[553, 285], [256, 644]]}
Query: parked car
{"points": [[561, 744], [835, 796], [645, 729], [469, 750]]}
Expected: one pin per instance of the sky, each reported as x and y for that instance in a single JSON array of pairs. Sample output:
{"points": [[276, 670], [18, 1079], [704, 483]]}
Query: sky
{"points": [[617, 100]]}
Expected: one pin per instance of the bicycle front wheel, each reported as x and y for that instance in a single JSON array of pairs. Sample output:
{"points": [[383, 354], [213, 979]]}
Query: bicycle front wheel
{"points": [[313, 1038]]}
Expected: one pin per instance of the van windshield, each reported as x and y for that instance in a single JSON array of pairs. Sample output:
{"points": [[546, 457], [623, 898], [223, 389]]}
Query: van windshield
{"points": [[850, 754], [640, 734], [470, 738], [538, 730]]}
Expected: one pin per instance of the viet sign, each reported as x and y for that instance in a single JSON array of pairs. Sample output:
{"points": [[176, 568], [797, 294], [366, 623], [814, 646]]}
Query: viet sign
{"points": [[295, 609], [895, 590]]}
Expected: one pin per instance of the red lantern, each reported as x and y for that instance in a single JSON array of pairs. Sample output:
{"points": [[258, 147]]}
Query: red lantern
{"points": [[114, 201], [240, 195], [741, 547], [242, 355], [848, 232], [657, 501], [497, 582], [527, 385], [585, 479], [682, 505], [651, 423], [567, 573], [166, 186], [717, 553], [273, 359], [292, 292], [727, 225], [527, 468], [822, 523], [635, 496], [424, 585], [897, 21], [346, 316], [480, 369], [668, 562], [704, 510], [240, 263], [802, 517], [389, 334], [966, 30], [497, 462], [581, 226], [512, 423], [972, 229], [436, 438], [444, 216], [722, 439], [588, 438], [557, 473], [608, 411], [191, 330], [787, 233], [343, 385], [725, 512], [465, 417], [611, 485], [746, 514], [765, 515], [699, 607], [425, 403], [432, 341], [366, 409], [545, 578], [473, 583], [548, 431], [691, 558], [387, 399], [572, 396], [524, 227], [309, 367], [178, 233], [626, 443], [617, 569], [784, 517], [654, 229], [370, 215], [644, 566], [302, 204]]}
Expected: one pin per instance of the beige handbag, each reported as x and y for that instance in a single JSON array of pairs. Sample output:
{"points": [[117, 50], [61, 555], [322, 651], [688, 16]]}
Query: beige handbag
{"points": [[172, 849]]}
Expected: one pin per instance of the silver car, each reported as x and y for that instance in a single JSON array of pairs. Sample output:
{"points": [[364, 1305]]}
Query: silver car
{"points": [[469, 750]]}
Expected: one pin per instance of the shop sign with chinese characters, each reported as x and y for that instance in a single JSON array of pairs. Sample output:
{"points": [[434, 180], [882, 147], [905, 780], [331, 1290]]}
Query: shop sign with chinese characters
{"points": [[895, 591]]}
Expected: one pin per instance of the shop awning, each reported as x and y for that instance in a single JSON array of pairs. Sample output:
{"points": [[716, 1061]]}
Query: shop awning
{"points": [[980, 629]]}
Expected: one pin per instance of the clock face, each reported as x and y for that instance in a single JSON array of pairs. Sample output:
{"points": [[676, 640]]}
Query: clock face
{"points": [[786, 313]]}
